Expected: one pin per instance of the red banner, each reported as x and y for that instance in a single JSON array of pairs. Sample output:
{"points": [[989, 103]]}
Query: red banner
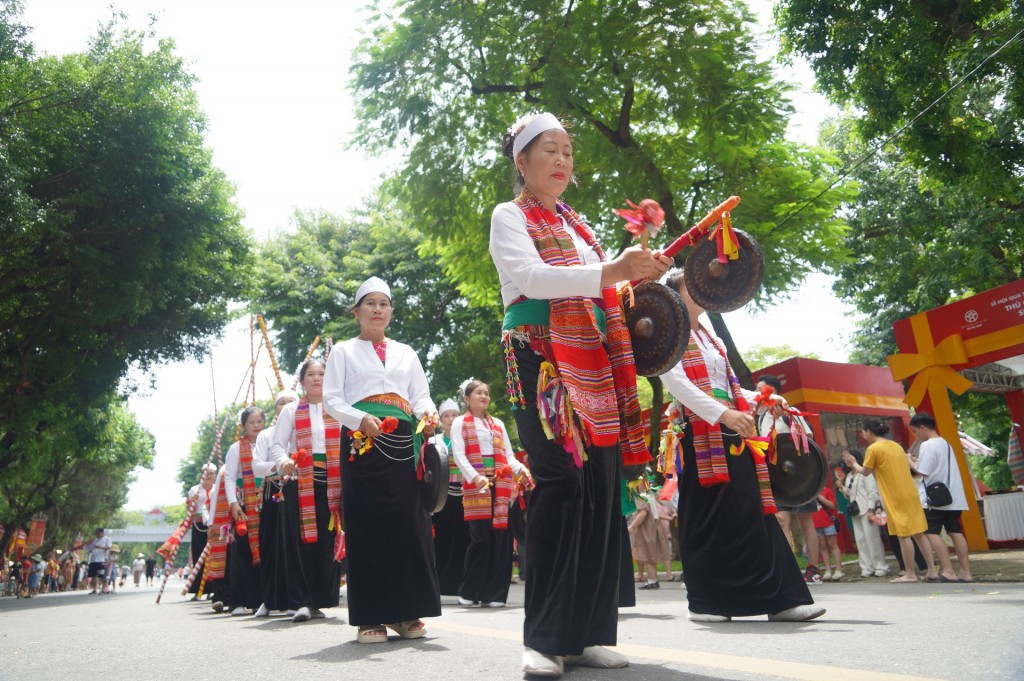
{"points": [[35, 534]]}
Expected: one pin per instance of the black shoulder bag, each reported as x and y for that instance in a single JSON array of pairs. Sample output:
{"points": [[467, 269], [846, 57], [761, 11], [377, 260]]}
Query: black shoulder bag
{"points": [[938, 492]]}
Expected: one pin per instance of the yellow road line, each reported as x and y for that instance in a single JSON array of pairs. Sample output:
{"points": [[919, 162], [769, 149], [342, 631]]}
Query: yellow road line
{"points": [[736, 663]]}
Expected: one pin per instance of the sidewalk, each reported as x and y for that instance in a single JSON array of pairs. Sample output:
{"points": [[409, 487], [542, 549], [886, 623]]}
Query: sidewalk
{"points": [[1000, 565]]}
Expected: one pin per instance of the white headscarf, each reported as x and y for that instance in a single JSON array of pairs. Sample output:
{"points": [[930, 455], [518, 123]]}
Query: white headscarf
{"points": [[540, 123], [372, 285], [447, 405]]}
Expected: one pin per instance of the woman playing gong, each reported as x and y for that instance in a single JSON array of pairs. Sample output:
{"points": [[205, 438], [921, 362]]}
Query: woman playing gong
{"points": [[736, 559], [563, 336]]}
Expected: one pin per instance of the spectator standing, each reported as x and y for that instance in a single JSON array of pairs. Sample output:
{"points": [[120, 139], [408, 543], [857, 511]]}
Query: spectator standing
{"points": [[825, 526], [864, 490], [650, 546], [69, 572], [138, 567], [887, 461], [98, 549], [936, 463], [150, 569], [37, 566]]}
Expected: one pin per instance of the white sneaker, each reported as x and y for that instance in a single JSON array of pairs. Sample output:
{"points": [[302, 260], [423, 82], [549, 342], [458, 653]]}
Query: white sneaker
{"points": [[799, 613], [302, 615], [706, 618], [468, 603], [494, 604], [838, 575], [599, 658], [826, 576], [540, 664], [262, 611], [239, 611], [865, 575], [881, 573]]}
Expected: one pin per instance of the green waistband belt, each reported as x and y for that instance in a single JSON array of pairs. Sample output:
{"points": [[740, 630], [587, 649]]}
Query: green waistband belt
{"points": [[532, 312]]}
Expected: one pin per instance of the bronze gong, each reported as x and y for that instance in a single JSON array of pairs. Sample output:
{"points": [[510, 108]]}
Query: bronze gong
{"points": [[797, 477], [718, 287], [659, 327], [434, 483]]}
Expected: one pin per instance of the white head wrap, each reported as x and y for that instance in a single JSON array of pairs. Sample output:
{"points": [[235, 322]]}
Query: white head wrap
{"points": [[373, 285], [286, 394], [447, 405], [540, 123]]}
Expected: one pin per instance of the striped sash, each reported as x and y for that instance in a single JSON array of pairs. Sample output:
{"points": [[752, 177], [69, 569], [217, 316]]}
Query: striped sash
{"points": [[304, 440], [250, 498], [601, 384], [217, 561], [712, 468], [477, 502]]}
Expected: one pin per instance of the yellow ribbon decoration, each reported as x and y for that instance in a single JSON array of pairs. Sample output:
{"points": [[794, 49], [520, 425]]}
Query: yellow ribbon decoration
{"points": [[758, 446], [932, 369]]}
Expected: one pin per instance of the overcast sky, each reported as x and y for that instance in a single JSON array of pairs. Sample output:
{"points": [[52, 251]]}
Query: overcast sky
{"points": [[272, 81]]}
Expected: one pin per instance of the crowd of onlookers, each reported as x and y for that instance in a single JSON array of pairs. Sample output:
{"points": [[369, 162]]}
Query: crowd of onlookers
{"points": [[96, 565]]}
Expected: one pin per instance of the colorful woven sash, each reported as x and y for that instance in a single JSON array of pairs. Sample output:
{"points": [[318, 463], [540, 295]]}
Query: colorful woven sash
{"points": [[477, 502], [712, 468], [601, 384], [304, 440], [250, 498], [217, 561]]}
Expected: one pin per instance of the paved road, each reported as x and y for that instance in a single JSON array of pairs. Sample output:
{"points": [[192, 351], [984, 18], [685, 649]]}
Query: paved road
{"points": [[873, 631]]}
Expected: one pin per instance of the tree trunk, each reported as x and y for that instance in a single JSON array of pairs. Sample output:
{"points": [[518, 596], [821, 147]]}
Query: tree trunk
{"points": [[739, 367]]}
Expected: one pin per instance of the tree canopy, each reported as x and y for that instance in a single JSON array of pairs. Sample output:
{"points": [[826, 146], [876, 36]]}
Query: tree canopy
{"points": [[310, 275], [668, 100], [940, 214], [121, 246]]}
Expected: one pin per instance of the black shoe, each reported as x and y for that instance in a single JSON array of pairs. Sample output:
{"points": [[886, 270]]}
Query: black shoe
{"points": [[650, 585]]}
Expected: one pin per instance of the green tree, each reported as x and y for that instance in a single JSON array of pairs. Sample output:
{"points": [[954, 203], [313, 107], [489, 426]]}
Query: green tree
{"points": [[892, 59], [78, 473], [668, 99], [121, 243], [941, 209], [916, 243], [311, 274]]}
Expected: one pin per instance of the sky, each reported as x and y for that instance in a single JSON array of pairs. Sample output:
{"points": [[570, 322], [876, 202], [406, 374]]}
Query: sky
{"points": [[272, 82]]}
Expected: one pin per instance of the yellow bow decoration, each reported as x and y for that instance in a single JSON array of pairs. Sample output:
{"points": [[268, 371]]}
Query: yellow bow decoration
{"points": [[758, 447], [932, 369]]}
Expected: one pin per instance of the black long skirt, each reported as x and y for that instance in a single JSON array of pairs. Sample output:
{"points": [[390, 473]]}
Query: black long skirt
{"points": [[391, 576], [268, 536], [627, 589], [573, 531], [246, 587], [198, 543], [451, 539], [300, 574], [736, 560], [488, 572]]}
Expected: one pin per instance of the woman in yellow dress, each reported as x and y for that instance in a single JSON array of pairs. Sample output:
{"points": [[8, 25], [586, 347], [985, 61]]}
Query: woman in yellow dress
{"points": [[888, 462]]}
